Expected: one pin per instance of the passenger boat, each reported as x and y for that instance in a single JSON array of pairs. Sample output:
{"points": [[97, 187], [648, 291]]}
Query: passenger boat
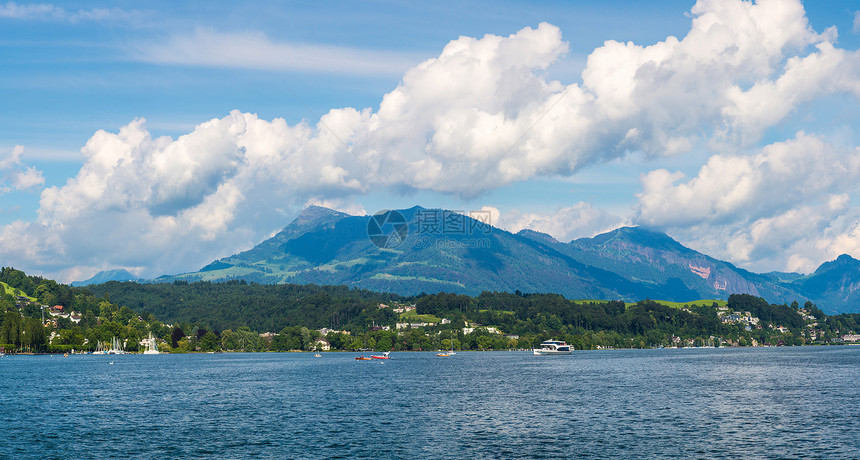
{"points": [[362, 358], [553, 347], [443, 354], [384, 355]]}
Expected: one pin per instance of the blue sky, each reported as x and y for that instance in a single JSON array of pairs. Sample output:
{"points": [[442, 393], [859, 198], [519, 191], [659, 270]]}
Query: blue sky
{"points": [[159, 136]]}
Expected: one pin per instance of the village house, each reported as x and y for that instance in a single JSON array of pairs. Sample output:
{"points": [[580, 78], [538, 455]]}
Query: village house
{"points": [[404, 308], [491, 330], [412, 325], [322, 344], [326, 331]]}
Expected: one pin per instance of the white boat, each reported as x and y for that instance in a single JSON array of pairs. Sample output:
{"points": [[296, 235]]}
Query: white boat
{"points": [[553, 347], [100, 349], [151, 347], [115, 348]]}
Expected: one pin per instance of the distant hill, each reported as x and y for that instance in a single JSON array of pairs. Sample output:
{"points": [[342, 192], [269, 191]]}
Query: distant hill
{"points": [[834, 284], [418, 250], [650, 257], [105, 276]]}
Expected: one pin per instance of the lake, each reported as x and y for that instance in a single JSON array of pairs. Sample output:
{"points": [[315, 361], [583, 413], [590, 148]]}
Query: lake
{"points": [[730, 403]]}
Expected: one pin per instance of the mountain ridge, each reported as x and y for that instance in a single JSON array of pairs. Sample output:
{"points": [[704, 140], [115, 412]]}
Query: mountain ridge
{"points": [[443, 251]]}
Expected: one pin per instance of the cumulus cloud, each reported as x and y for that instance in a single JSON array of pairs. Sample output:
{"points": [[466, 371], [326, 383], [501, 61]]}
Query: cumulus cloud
{"points": [[771, 209], [581, 220], [14, 175], [187, 199], [734, 187], [476, 117]]}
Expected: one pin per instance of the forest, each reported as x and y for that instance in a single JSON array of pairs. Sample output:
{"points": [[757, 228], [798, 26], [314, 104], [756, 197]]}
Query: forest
{"points": [[237, 315]]}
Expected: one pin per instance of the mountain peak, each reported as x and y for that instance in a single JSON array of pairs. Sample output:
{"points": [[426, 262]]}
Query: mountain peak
{"points": [[314, 212], [105, 276], [638, 235], [843, 262], [540, 237]]}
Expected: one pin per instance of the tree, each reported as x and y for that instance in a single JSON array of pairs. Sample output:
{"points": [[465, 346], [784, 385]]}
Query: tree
{"points": [[10, 330], [210, 342], [33, 335], [176, 336]]}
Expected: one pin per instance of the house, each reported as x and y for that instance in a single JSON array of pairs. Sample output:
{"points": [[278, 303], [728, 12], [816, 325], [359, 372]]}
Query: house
{"points": [[851, 338], [404, 308], [322, 344], [412, 325], [491, 330], [326, 331]]}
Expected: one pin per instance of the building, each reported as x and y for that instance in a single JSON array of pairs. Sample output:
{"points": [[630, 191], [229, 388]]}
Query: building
{"points": [[491, 330], [322, 344]]}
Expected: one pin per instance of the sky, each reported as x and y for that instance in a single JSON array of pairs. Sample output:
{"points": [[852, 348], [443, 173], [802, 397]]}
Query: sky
{"points": [[159, 136]]}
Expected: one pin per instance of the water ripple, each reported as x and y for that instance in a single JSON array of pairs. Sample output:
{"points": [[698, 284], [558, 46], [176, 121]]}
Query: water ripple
{"points": [[715, 403]]}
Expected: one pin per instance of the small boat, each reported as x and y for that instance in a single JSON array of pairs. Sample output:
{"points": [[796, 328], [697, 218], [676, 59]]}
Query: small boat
{"points": [[553, 347], [384, 355], [317, 355], [444, 354], [362, 358]]}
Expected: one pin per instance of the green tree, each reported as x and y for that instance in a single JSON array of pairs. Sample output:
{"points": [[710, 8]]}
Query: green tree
{"points": [[210, 342]]}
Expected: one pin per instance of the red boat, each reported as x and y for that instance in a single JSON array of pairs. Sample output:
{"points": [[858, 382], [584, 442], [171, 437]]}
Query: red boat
{"points": [[362, 358], [384, 356]]}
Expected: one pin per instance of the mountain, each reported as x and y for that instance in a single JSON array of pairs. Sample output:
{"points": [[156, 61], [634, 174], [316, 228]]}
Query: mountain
{"points": [[835, 283], [440, 251], [105, 276], [415, 250], [653, 258]]}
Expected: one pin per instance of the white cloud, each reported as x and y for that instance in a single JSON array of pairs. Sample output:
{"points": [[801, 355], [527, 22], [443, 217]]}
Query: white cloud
{"points": [[49, 12], [477, 117], [856, 28], [578, 221], [772, 209], [14, 175], [188, 200], [254, 50], [733, 187], [338, 204]]}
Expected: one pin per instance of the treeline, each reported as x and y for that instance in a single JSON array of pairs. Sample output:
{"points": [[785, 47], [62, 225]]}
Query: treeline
{"points": [[231, 315], [261, 307]]}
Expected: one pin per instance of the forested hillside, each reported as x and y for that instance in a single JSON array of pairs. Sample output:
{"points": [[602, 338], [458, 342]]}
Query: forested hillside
{"points": [[237, 315]]}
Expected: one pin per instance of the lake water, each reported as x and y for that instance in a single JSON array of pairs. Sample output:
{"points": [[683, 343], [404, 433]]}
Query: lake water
{"points": [[764, 402]]}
